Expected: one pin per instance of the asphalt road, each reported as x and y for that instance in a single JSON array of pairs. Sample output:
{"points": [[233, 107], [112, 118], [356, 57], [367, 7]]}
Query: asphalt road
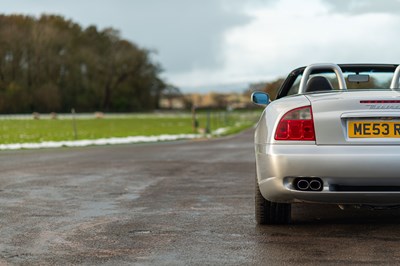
{"points": [[182, 203]]}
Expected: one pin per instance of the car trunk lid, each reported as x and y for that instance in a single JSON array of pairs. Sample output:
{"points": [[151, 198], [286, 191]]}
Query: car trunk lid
{"points": [[356, 117]]}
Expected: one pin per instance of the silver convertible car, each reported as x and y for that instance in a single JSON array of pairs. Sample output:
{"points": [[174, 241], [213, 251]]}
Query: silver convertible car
{"points": [[331, 136]]}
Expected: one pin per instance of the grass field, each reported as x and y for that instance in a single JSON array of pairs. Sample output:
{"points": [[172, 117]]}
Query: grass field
{"points": [[32, 131]]}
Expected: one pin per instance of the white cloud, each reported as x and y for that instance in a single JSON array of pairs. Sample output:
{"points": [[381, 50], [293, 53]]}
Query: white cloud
{"points": [[293, 33]]}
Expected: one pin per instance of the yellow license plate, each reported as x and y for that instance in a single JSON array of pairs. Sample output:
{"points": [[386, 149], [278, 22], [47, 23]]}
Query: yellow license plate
{"points": [[373, 129]]}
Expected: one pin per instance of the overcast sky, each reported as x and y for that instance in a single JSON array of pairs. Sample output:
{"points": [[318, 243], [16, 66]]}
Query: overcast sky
{"points": [[206, 44]]}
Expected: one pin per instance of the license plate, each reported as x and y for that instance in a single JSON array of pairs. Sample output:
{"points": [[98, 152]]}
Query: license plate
{"points": [[373, 129]]}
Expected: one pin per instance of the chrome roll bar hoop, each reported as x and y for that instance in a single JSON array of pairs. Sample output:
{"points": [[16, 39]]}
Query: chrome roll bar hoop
{"points": [[329, 66], [395, 80]]}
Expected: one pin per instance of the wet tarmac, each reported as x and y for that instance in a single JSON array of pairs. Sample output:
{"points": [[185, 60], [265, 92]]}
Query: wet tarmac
{"points": [[182, 203]]}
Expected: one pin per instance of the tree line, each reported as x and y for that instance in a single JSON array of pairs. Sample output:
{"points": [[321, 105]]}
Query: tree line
{"points": [[51, 64]]}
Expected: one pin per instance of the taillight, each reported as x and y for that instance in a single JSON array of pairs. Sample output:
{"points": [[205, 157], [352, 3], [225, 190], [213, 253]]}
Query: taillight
{"points": [[296, 124]]}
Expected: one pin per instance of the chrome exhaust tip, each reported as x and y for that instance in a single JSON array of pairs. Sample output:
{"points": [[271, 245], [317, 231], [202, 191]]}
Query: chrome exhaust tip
{"points": [[315, 185], [303, 184], [308, 184]]}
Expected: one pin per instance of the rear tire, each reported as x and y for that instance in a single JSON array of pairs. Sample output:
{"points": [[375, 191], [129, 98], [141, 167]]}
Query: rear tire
{"points": [[268, 212]]}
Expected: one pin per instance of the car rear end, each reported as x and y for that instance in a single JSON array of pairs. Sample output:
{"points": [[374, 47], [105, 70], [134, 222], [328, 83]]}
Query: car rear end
{"points": [[335, 147]]}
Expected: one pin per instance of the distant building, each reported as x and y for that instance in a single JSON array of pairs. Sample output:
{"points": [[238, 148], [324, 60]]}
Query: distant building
{"points": [[208, 100], [176, 103]]}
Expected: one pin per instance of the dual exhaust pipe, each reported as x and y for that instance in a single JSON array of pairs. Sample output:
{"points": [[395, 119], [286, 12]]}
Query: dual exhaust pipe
{"points": [[308, 184]]}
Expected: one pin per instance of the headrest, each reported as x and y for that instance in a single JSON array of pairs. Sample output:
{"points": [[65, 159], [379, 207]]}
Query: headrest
{"points": [[318, 83]]}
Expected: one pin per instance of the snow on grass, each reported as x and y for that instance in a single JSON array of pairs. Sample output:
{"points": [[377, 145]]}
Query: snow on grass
{"points": [[221, 131], [118, 140], [103, 141]]}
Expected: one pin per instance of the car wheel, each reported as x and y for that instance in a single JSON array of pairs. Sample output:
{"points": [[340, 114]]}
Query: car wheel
{"points": [[268, 212]]}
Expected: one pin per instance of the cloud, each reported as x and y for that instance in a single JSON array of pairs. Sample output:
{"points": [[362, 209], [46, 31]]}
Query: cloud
{"points": [[187, 34], [291, 33], [357, 7]]}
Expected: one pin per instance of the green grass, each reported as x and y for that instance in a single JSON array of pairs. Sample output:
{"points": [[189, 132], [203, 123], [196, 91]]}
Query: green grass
{"points": [[24, 131]]}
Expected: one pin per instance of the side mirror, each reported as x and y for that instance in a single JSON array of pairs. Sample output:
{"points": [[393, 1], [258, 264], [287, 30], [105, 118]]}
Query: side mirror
{"points": [[260, 98]]}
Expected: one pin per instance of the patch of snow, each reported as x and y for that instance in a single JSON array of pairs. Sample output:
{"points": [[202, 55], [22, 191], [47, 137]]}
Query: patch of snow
{"points": [[105, 141], [221, 130]]}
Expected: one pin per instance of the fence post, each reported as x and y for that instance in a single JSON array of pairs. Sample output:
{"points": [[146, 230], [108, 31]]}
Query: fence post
{"points": [[208, 129], [195, 124], [226, 118], [74, 124]]}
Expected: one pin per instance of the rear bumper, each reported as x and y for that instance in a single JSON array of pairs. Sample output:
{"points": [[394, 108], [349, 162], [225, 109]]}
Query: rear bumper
{"points": [[338, 166]]}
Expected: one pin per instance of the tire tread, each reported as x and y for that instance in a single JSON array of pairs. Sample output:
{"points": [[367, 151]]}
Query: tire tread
{"points": [[268, 212]]}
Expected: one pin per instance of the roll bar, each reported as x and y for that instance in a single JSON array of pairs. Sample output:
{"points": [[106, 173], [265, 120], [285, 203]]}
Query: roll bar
{"points": [[395, 80], [334, 67]]}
